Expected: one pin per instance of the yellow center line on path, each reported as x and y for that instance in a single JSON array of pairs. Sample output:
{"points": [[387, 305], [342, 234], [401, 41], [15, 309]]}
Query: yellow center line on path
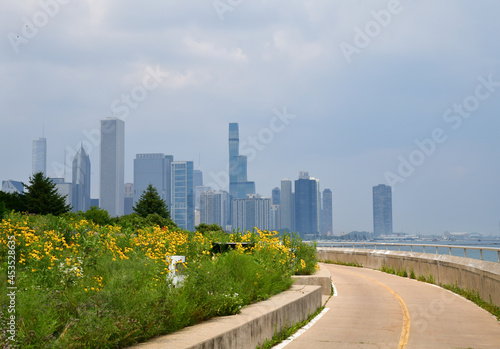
{"points": [[405, 332]]}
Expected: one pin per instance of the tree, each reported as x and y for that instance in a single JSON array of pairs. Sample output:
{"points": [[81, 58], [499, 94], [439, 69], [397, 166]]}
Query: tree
{"points": [[205, 228], [151, 203], [2, 209], [42, 196], [13, 201], [98, 216]]}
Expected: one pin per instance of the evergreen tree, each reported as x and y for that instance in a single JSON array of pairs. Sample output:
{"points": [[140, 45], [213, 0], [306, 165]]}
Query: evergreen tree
{"points": [[151, 203], [2, 209], [13, 201], [42, 196]]}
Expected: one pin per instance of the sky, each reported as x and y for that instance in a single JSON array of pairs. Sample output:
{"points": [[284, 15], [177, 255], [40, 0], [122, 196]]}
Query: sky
{"points": [[357, 93]]}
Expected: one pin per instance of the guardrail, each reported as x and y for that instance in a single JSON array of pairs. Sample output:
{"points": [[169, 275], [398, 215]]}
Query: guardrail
{"points": [[411, 246]]}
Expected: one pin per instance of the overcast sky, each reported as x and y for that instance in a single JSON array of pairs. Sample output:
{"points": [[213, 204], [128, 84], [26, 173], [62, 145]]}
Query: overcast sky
{"points": [[358, 93]]}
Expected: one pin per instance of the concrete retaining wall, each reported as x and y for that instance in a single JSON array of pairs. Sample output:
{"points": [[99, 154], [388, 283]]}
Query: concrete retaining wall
{"points": [[248, 329], [320, 278], [471, 274]]}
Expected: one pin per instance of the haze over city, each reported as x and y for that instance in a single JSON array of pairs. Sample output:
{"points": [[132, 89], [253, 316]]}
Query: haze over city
{"points": [[357, 93]]}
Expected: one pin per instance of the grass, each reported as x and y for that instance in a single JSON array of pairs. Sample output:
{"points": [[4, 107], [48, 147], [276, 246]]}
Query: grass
{"points": [[474, 297], [338, 262], [83, 285], [391, 270], [286, 332]]}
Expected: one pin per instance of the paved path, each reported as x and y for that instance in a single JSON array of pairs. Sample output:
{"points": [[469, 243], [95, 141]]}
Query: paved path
{"points": [[379, 310]]}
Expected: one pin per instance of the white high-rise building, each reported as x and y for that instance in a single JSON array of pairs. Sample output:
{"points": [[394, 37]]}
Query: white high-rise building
{"points": [[112, 166], [286, 205], [80, 189], [214, 207], [39, 156], [252, 212]]}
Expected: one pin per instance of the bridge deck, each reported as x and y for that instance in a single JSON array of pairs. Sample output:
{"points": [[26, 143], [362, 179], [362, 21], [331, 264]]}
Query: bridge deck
{"points": [[379, 310]]}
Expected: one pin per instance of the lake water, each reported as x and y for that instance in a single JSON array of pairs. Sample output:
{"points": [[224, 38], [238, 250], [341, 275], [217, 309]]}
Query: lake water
{"points": [[491, 256]]}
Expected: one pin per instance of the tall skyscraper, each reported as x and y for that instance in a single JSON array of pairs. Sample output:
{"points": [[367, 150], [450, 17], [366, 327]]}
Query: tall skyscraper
{"points": [[286, 205], [382, 210], [239, 186], [128, 205], [214, 207], [39, 156], [155, 169], [182, 209], [112, 166], [327, 213], [275, 196], [80, 187], [306, 205], [197, 178], [252, 212]]}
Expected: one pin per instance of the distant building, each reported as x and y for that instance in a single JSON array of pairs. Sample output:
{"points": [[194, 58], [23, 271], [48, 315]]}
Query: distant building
{"points": [[128, 204], [155, 169], [64, 189], [307, 205], [112, 166], [286, 205], [197, 178], [39, 157], [274, 217], [239, 186], [182, 194], [80, 187], [94, 202], [197, 195], [10, 186], [327, 213], [275, 196], [214, 207], [382, 210], [252, 212]]}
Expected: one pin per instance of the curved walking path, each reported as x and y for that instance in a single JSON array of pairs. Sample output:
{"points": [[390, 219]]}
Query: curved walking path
{"points": [[373, 309]]}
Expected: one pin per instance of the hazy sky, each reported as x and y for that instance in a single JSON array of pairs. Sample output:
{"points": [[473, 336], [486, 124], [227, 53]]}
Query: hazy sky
{"points": [[358, 93]]}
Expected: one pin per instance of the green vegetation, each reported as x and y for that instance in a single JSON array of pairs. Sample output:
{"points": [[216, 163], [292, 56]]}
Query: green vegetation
{"points": [[280, 336], [474, 297], [87, 285], [349, 264], [391, 270], [42, 197], [150, 202]]}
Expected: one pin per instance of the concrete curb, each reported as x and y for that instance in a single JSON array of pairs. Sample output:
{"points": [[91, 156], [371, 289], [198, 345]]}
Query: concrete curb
{"points": [[321, 278], [470, 274], [250, 328]]}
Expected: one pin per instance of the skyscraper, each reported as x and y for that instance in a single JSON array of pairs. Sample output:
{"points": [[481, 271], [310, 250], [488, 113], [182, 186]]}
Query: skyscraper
{"points": [[275, 196], [153, 169], [182, 208], [80, 187], [327, 213], [128, 205], [382, 210], [286, 205], [306, 205], [214, 207], [112, 166], [39, 156], [239, 186], [253, 211]]}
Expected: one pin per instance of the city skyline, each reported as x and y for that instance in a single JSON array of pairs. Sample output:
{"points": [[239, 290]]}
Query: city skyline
{"points": [[410, 105]]}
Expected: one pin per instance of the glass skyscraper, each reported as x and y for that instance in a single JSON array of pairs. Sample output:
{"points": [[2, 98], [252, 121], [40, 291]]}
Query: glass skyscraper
{"points": [[80, 187], [153, 169], [182, 209], [286, 205], [327, 213], [112, 166], [239, 186], [306, 205], [39, 156], [382, 210]]}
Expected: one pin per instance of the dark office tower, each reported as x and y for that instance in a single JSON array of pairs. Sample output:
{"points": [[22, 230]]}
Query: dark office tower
{"points": [[306, 205], [286, 205], [112, 166], [327, 213], [275, 196], [382, 210], [39, 156], [239, 186], [182, 209], [197, 178], [80, 187], [153, 169]]}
